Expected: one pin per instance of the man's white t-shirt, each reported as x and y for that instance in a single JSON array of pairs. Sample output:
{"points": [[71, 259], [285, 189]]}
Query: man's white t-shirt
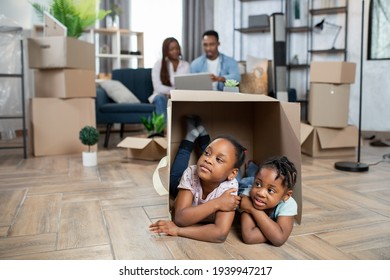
{"points": [[213, 66]]}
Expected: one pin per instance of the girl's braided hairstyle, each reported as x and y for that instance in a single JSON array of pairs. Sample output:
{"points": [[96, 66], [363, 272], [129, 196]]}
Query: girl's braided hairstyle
{"points": [[284, 168]]}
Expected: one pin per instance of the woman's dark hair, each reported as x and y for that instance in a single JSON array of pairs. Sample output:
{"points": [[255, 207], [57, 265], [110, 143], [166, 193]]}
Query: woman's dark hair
{"points": [[211, 33], [240, 150], [284, 168], [164, 73]]}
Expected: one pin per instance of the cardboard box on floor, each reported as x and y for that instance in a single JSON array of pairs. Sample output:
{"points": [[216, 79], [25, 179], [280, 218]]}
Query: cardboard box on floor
{"points": [[145, 148], [323, 142], [264, 125], [60, 52], [56, 124], [333, 72], [329, 105], [65, 83]]}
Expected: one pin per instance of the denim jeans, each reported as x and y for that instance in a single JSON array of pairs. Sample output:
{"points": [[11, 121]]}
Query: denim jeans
{"points": [[160, 102], [249, 178], [181, 161]]}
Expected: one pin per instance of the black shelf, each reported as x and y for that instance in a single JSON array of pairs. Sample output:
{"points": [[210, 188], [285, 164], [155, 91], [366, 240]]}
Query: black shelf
{"points": [[329, 51], [328, 11], [298, 29], [253, 29], [297, 66]]}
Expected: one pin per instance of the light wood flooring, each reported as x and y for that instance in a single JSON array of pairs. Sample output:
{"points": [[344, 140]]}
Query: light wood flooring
{"points": [[54, 208]]}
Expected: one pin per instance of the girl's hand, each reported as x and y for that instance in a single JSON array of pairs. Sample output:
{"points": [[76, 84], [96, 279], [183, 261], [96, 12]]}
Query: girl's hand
{"points": [[246, 204], [229, 201], [164, 226]]}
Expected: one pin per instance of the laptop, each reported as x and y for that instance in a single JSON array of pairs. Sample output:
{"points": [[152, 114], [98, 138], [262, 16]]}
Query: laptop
{"points": [[194, 81]]}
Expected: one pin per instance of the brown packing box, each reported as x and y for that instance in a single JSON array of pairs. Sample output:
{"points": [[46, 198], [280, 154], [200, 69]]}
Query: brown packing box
{"points": [[334, 72], [264, 125], [145, 148], [329, 105], [65, 83], [60, 52], [56, 124], [328, 142]]}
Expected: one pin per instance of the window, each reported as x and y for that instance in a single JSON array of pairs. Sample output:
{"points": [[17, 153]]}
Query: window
{"points": [[379, 30], [157, 19]]}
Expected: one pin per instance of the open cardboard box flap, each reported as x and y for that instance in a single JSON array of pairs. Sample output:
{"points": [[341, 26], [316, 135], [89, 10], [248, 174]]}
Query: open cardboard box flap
{"points": [[145, 148], [265, 126], [336, 138]]}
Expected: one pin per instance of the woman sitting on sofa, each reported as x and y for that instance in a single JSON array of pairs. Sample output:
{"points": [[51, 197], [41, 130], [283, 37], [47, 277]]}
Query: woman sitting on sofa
{"points": [[163, 74]]}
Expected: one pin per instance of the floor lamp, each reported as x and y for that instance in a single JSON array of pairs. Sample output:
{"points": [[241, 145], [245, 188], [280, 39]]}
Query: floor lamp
{"points": [[357, 166]]}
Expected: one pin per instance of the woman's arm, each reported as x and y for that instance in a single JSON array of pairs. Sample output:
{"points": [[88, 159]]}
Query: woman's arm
{"points": [[186, 214], [214, 232], [276, 232], [157, 84]]}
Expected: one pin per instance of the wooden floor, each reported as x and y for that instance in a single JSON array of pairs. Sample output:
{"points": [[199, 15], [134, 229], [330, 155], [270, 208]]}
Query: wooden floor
{"points": [[54, 208]]}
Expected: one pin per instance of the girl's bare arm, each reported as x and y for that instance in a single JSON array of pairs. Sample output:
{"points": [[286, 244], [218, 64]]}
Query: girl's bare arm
{"points": [[276, 232], [186, 214], [214, 232]]}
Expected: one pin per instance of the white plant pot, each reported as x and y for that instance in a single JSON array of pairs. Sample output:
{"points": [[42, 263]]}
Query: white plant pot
{"points": [[89, 159], [231, 89]]}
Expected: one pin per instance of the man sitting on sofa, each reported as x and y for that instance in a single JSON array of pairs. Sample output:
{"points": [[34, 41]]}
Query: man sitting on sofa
{"points": [[221, 66]]}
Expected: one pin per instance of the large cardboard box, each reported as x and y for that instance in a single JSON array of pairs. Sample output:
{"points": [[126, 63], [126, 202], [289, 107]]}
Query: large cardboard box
{"points": [[145, 148], [65, 83], [321, 142], [329, 105], [264, 125], [334, 72], [60, 52], [56, 124]]}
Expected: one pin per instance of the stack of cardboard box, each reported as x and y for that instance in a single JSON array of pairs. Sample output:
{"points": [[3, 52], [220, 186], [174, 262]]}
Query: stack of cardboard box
{"points": [[64, 79], [328, 133]]}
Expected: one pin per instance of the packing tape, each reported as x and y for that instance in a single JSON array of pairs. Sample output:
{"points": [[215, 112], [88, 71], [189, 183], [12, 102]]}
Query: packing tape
{"points": [[157, 183]]}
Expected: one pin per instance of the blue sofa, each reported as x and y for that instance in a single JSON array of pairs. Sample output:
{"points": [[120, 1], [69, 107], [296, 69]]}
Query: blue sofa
{"points": [[108, 112]]}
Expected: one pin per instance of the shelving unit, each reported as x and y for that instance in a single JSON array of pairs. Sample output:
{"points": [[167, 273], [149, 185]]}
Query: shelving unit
{"points": [[117, 48], [8, 30], [315, 12]]}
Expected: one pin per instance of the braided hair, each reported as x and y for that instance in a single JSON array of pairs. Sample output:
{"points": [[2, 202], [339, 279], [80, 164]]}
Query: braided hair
{"points": [[284, 168]]}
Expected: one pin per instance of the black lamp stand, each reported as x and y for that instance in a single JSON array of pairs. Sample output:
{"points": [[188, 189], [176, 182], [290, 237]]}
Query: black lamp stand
{"points": [[357, 166]]}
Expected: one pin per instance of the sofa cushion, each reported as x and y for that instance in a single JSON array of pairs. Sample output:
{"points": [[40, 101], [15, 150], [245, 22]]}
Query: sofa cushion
{"points": [[118, 92]]}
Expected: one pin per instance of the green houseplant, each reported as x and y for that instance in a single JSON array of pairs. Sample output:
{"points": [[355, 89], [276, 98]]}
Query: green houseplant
{"points": [[89, 136], [231, 86], [76, 15], [154, 125]]}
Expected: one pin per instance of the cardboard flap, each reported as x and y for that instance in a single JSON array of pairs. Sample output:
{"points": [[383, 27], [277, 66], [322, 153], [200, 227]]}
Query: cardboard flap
{"points": [[161, 141], [305, 131], [207, 96], [134, 143], [337, 138]]}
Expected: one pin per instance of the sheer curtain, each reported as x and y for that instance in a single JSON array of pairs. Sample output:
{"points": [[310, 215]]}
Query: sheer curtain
{"points": [[198, 16]]}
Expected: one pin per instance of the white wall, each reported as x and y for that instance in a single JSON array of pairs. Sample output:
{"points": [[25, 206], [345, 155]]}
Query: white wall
{"points": [[376, 84]]}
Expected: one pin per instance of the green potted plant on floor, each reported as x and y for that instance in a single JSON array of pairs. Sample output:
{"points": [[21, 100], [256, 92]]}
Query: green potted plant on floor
{"points": [[89, 136], [154, 125]]}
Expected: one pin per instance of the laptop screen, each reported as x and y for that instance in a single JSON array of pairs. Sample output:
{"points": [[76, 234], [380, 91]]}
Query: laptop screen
{"points": [[194, 81]]}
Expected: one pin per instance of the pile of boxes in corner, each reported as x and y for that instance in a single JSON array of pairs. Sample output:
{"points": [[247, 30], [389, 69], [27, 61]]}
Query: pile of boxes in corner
{"points": [[328, 134], [63, 103]]}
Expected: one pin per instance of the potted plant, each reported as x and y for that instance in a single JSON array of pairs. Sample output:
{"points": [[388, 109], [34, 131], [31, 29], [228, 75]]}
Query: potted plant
{"points": [[89, 136], [75, 15], [154, 125], [231, 86], [112, 20]]}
